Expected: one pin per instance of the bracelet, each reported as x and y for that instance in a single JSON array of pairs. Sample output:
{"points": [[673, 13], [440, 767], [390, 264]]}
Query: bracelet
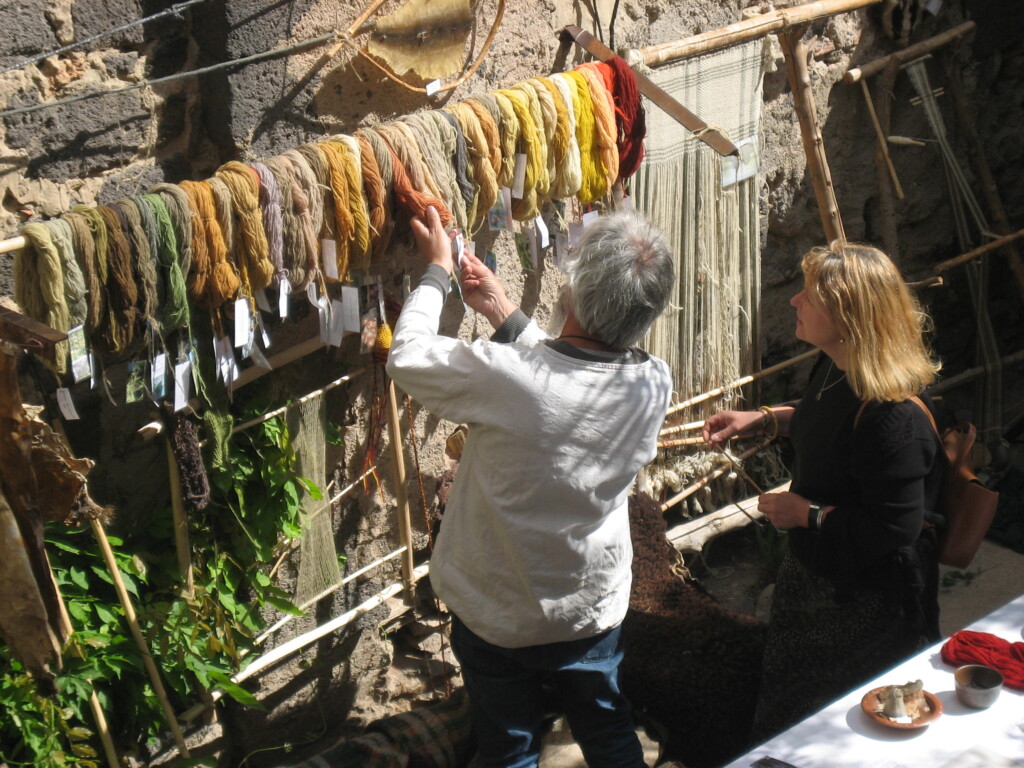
{"points": [[814, 516], [768, 412]]}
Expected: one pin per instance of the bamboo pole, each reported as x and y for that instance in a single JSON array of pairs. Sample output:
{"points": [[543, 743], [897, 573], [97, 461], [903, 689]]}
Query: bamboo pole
{"points": [[693, 535], [945, 266], [909, 53], [688, 427], [986, 179], [298, 643], [140, 640], [182, 548], [401, 495], [751, 28], [883, 145], [972, 373], [799, 76], [713, 475], [680, 441], [742, 381]]}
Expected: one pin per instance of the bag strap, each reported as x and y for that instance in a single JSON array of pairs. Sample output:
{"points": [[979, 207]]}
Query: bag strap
{"points": [[916, 400]]}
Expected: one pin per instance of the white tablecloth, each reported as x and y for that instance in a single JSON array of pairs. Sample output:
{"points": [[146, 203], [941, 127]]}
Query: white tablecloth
{"points": [[842, 735]]}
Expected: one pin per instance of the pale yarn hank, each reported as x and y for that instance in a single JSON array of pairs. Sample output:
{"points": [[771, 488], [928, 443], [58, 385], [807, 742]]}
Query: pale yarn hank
{"points": [[39, 284]]}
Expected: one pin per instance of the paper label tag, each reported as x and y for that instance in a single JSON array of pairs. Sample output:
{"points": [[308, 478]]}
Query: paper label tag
{"points": [[432, 87], [329, 249], [337, 329], [519, 176], [933, 6], [542, 232], [259, 358], [311, 294], [158, 377], [66, 404], [590, 217], [81, 367], [574, 234], [263, 332], [350, 308], [523, 249], [497, 216], [135, 387], [458, 244], [491, 261], [261, 301], [561, 249], [283, 288], [324, 313], [182, 384], [243, 322]]}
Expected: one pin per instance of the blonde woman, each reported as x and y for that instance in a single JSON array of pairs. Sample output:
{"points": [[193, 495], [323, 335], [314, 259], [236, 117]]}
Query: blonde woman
{"points": [[858, 590]]}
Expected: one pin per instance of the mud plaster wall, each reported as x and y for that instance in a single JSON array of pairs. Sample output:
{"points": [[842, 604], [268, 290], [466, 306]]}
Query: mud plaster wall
{"points": [[98, 150]]}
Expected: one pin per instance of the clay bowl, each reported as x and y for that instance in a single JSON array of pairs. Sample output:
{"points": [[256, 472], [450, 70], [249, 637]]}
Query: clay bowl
{"points": [[978, 686], [873, 709]]}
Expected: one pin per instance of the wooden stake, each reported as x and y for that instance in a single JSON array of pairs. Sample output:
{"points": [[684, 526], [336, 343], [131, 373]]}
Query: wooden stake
{"points": [[883, 145], [183, 548], [795, 52], [714, 475], [688, 427], [401, 496], [140, 640], [909, 53]]}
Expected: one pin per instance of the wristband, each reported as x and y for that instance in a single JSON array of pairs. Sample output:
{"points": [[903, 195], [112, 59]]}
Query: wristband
{"points": [[769, 413], [814, 516]]}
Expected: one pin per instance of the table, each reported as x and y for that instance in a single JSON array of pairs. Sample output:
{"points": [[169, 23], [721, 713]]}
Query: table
{"points": [[842, 735]]}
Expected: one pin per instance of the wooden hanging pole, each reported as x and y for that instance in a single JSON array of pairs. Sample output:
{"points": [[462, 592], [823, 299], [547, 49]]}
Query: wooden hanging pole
{"points": [[401, 495], [978, 252], [29, 333], [909, 53], [754, 27], [714, 475], [796, 54], [140, 640]]}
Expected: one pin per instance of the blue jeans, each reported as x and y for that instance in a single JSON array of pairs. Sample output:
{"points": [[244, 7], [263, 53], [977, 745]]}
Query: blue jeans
{"points": [[505, 687]]}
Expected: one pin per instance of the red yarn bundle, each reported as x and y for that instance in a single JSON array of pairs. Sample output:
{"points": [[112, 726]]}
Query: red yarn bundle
{"points": [[630, 118], [410, 199], [967, 647]]}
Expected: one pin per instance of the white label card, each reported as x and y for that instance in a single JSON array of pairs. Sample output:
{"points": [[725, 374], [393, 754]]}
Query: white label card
{"points": [[66, 404], [243, 322], [574, 234], [158, 376], [506, 199], [432, 87], [80, 362], [324, 313], [311, 294], [933, 6], [284, 288], [519, 176], [182, 384], [259, 358], [590, 217], [350, 308], [542, 232], [329, 248], [337, 329], [457, 246]]}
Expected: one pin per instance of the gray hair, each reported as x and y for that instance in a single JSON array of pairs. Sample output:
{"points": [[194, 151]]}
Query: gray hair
{"points": [[620, 278]]}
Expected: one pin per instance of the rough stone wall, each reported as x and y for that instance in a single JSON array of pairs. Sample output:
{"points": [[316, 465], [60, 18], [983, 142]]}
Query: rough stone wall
{"points": [[98, 150]]}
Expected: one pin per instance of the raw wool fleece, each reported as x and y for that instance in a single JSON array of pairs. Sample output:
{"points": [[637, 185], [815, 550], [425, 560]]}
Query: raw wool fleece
{"points": [[690, 664]]}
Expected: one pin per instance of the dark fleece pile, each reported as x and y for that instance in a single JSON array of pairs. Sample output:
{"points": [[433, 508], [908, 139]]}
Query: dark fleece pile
{"points": [[690, 665]]}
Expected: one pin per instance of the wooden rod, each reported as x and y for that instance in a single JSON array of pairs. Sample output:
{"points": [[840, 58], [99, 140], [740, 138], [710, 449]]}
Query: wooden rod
{"points": [[12, 244], [179, 518], [713, 475], [972, 373], [945, 266], [305, 398], [752, 28], [692, 535], [742, 381], [915, 51], [883, 144], [796, 55], [401, 496], [680, 441], [140, 640], [688, 427]]}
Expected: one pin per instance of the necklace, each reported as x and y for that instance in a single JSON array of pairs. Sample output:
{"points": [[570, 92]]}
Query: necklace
{"points": [[825, 386]]}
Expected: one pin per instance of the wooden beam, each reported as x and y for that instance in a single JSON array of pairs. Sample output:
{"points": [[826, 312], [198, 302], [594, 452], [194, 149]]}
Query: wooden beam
{"points": [[692, 535], [29, 333], [978, 252], [810, 131], [751, 28], [915, 51]]}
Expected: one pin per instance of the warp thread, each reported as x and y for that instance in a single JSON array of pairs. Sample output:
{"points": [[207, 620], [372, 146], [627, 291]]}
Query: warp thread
{"points": [[39, 284]]}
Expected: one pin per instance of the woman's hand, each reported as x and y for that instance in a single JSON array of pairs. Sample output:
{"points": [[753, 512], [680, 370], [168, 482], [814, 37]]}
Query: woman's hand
{"points": [[784, 510], [726, 424], [432, 242]]}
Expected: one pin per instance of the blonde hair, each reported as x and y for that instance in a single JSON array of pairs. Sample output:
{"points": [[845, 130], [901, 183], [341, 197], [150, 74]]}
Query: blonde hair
{"points": [[879, 320]]}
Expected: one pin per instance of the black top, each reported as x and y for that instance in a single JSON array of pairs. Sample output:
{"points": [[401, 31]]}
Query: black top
{"points": [[883, 477]]}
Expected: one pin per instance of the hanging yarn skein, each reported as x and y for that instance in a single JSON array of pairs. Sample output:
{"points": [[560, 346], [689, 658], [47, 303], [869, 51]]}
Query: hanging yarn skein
{"points": [[85, 252], [122, 290], [630, 118], [569, 177], [508, 130], [174, 311], [74, 281], [39, 284], [270, 210], [378, 202], [407, 196], [311, 197], [542, 184], [435, 139], [176, 202], [594, 177], [604, 118], [359, 242], [335, 155], [484, 181], [252, 252]]}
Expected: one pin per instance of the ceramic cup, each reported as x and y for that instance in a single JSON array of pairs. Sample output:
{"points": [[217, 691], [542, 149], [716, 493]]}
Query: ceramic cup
{"points": [[978, 686]]}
